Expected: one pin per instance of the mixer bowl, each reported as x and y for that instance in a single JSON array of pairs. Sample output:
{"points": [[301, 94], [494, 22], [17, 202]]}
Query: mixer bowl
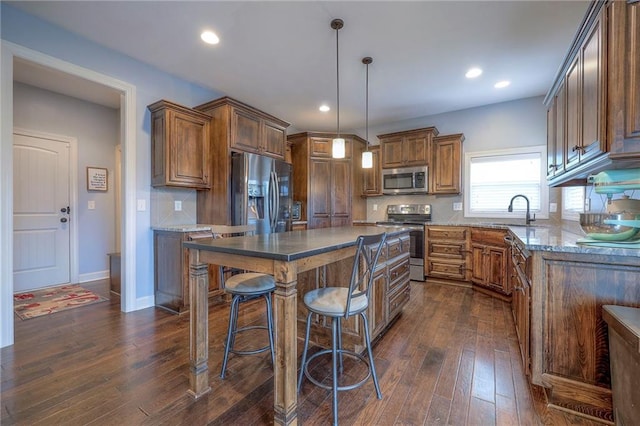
{"points": [[593, 225]]}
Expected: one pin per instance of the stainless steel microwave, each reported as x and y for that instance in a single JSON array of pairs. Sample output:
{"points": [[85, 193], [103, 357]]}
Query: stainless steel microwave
{"points": [[404, 180]]}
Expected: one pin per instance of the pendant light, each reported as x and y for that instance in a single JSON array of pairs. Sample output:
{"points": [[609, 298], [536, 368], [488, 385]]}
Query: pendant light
{"points": [[338, 147], [367, 156]]}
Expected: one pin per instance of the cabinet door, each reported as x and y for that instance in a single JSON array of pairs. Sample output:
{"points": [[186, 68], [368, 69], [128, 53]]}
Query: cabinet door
{"points": [[372, 177], [392, 152], [445, 167], [551, 138], [377, 309], [319, 204], [245, 131], [572, 148], [321, 147], [273, 140], [340, 190], [189, 150], [496, 269], [593, 107], [415, 150], [561, 137], [477, 264]]}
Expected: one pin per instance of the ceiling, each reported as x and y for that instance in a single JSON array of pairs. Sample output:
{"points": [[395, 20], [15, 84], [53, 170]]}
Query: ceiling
{"points": [[280, 57]]}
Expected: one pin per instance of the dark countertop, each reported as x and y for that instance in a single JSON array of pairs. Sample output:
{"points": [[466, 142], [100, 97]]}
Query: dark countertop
{"points": [[288, 246]]}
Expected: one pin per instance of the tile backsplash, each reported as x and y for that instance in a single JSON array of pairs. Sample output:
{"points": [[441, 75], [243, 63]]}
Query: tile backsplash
{"points": [[163, 211]]}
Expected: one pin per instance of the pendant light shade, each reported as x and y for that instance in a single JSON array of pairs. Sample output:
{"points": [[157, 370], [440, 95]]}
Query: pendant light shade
{"points": [[338, 147], [367, 156]]}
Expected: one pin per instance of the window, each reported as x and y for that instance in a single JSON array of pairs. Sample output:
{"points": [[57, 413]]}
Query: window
{"points": [[494, 177], [572, 202]]}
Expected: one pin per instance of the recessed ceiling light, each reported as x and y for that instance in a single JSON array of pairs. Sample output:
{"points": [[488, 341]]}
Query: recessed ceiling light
{"points": [[209, 37], [324, 108], [502, 84], [473, 73]]}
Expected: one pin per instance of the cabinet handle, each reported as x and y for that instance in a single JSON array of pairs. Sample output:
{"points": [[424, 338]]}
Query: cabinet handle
{"points": [[553, 167], [578, 148], [519, 288]]}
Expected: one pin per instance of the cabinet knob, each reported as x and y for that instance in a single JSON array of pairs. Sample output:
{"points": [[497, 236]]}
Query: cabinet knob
{"points": [[579, 148]]}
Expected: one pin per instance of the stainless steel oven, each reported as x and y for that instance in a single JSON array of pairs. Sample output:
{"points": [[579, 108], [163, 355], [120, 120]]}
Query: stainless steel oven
{"points": [[414, 217]]}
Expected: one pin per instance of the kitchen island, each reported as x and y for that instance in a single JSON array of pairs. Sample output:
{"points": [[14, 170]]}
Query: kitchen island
{"points": [[285, 256]]}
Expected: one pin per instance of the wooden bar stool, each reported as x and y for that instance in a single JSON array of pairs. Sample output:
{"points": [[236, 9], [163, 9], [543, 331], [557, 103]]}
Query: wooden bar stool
{"points": [[244, 286], [340, 303]]}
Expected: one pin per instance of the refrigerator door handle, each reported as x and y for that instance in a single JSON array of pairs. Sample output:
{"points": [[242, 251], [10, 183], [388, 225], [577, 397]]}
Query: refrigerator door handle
{"points": [[276, 197], [272, 201]]}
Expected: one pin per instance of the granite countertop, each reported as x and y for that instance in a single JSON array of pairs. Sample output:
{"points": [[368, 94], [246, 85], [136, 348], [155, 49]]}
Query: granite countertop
{"points": [[288, 246], [182, 228]]}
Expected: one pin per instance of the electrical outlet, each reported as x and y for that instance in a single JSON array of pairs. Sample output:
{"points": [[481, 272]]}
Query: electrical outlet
{"points": [[553, 207], [142, 205], [91, 205], [587, 204], [177, 205], [457, 207], [375, 207]]}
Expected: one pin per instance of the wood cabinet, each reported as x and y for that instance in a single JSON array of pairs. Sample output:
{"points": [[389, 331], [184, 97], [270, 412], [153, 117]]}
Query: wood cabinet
{"points": [[171, 270], [180, 153], [623, 68], [569, 348], [593, 107], [445, 168], [325, 185], [389, 294], [407, 148], [520, 282], [446, 253], [489, 260], [235, 126], [372, 178]]}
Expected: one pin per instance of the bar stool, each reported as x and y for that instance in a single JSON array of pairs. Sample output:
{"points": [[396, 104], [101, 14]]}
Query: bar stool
{"points": [[340, 303], [244, 286]]}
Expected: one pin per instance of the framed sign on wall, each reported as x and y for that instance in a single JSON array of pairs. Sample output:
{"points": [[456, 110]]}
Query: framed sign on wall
{"points": [[97, 179]]}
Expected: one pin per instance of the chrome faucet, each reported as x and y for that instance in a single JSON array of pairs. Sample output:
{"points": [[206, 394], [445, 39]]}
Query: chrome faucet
{"points": [[528, 218]]}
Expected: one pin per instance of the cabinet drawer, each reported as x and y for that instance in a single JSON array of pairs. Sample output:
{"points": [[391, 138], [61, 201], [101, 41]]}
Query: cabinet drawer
{"points": [[489, 236], [398, 300], [398, 273], [447, 250], [397, 247], [446, 233], [452, 270]]}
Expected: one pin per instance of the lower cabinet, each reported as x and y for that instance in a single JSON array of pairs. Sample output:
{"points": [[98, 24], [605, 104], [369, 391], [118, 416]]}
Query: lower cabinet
{"points": [[569, 346], [389, 294], [171, 270], [520, 283], [446, 252], [489, 260]]}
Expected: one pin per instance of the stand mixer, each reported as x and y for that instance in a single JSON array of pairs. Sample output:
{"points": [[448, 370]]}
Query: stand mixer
{"points": [[615, 182], [621, 223]]}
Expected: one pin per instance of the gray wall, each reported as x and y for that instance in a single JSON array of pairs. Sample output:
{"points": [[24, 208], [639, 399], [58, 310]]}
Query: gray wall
{"points": [[97, 129], [504, 125], [151, 85]]}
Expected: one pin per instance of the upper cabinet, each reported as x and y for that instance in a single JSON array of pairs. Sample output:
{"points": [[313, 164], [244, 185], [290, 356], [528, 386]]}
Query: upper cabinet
{"points": [[623, 58], [445, 168], [406, 149], [593, 107], [179, 146], [235, 127]]}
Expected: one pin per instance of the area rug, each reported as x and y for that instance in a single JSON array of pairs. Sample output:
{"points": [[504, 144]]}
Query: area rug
{"points": [[51, 300]]}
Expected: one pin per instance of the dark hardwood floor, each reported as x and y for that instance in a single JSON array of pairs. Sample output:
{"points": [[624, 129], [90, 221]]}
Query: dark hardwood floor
{"points": [[451, 358]]}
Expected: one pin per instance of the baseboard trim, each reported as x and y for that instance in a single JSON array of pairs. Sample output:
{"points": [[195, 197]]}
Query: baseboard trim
{"points": [[93, 276]]}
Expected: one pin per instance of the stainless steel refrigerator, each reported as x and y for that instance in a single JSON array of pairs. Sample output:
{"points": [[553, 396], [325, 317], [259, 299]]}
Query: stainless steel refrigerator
{"points": [[262, 192]]}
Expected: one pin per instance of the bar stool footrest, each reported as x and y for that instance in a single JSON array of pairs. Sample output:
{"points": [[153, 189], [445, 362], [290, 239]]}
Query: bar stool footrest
{"points": [[353, 354], [249, 351]]}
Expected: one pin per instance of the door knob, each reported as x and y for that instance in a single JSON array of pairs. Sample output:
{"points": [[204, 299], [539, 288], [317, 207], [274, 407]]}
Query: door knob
{"points": [[65, 210], [63, 219]]}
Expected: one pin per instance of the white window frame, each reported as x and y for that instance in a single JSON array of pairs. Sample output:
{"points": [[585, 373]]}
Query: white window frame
{"points": [[569, 213], [543, 213]]}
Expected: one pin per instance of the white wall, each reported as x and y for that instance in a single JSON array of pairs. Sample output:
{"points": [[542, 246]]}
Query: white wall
{"points": [[504, 125], [97, 129]]}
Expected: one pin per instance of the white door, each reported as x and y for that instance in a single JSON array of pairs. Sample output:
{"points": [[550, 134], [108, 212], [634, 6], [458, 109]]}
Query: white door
{"points": [[40, 212]]}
